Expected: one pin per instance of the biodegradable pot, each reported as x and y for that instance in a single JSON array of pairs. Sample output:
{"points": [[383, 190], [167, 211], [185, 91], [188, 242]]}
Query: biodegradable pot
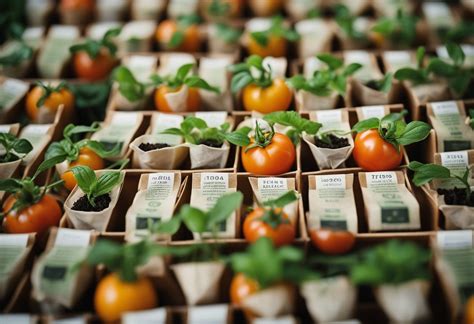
{"points": [[216, 101], [177, 101], [122, 103], [271, 302], [217, 45], [199, 281], [306, 101], [91, 220], [167, 158], [330, 299], [312, 43], [8, 168], [76, 16], [456, 216], [111, 10], [155, 267], [367, 96], [329, 158], [203, 156], [404, 303], [436, 91]]}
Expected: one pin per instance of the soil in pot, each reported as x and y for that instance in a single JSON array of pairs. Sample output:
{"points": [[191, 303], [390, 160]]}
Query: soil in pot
{"points": [[373, 84], [152, 146], [334, 142], [457, 196], [212, 143], [13, 158], [83, 204]]}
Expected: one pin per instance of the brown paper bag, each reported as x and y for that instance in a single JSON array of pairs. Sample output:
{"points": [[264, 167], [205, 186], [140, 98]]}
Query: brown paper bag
{"points": [[425, 93], [332, 120], [269, 188], [137, 36], [306, 101], [155, 267], [368, 96], [331, 202], [447, 119], [271, 302], [91, 220], [214, 71], [404, 303], [55, 279], [203, 156], [330, 299], [457, 217], [207, 188], [218, 45], [154, 201], [15, 251], [199, 281], [389, 205], [311, 42]]}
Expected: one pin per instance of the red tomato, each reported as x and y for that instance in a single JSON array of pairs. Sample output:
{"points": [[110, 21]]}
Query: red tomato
{"points": [[373, 153], [332, 241], [255, 227], [93, 69], [242, 287]]}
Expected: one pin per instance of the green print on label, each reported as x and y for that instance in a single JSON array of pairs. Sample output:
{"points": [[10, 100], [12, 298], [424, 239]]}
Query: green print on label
{"points": [[395, 215], [334, 224], [142, 222], [54, 272], [450, 145]]}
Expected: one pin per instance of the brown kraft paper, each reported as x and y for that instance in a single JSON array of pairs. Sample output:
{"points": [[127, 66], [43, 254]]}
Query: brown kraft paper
{"points": [[331, 202], [306, 101], [389, 205], [203, 156], [406, 302], [271, 302], [332, 120], [312, 43], [269, 188], [214, 71], [199, 281], [154, 201], [367, 112], [91, 220], [330, 299], [368, 96], [424, 93]]}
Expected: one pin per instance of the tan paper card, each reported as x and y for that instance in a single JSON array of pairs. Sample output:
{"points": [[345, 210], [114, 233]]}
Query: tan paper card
{"points": [[368, 96], [269, 188], [154, 202], [369, 68], [91, 220], [306, 101], [15, 250], [331, 120], [389, 205], [366, 112], [55, 277], [447, 119], [39, 136], [206, 189], [214, 71], [395, 60], [177, 8], [331, 202], [311, 43]]}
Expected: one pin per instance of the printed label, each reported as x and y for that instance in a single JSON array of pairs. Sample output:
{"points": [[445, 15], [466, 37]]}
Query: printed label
{"points": [[155, 316], [271, 188], [373, 111], [72, 237], [213, 186], [337, 181], [461, 239]]}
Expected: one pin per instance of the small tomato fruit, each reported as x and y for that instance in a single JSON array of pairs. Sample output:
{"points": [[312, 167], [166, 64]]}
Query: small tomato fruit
{"points": [[270, 223], [193, 101], [86, 157], [276, 97], [332, 241]]}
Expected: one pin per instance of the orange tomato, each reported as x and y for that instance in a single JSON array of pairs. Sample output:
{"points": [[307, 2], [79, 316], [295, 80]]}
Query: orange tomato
{"points": [[276, 97], [255, 228], [276, 158], [373, 153], [193, 101], [191, 41], [113, 297], [52, 103], [469, 311], [86, 157], [277, 47], [93, 69], [265, 8], [78, 4], [35, 218], [242, 287], [332, 241]]}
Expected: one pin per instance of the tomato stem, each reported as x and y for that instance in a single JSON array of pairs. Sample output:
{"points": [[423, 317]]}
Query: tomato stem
{"points": [[273, 217], [261, 139]]}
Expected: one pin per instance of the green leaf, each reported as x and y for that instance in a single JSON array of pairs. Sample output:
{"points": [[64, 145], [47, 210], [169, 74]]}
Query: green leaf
{"points": [[102, 151], [10, 185], [223, 208], [176, 40], [332, 62], [16, 57], [409, 74], [297, 82], [363, 125], [106, 182], [441, 68], [293, 119], [72, 129], [173, 131], [420, 55], [456, 53], [129, 87], [194, 219], [238, 138], [285, 199], [415, 131], [255, 61], [351, 69], [240, 81], [197, 82], [90, 46], [425, 173], [85, 177], [261, 37], [49, 163], [170, 226], [22, 146], [183, 71]]}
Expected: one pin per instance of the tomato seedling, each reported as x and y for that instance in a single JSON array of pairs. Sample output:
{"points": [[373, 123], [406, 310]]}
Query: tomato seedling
{"points": [[379, 142], [347, 22], [400, 30], [420, 74], [383, 85], [14, 148]]}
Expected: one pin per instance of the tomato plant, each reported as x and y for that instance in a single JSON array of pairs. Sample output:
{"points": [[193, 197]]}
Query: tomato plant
{"points": [[219, 10], [29, 209], [47, 96], [84, 152], [379, 142], [332, 241], [95, 59], [181, 35], [270, 221], [174, 83], [261, 92], [14, 148]]}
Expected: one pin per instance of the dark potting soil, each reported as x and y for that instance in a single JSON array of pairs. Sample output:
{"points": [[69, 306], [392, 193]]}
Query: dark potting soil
{"points": [[457, 196], [212, 143], [83, 203], [336, 142], [372, 84], [152, 146], [13, 157]]}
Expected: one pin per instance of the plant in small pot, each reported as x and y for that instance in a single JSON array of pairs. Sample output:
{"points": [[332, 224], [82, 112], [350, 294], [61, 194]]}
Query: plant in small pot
{"points": [[198, 267], [379, 143], [455, 196], [180, 92], [223, 38], [381, 91], [29, 208], [16, 57], [126, 288], [208, 146], [265, 8], [265, 277], [131, 93], [181, 35], [397, 32], [76, 12], [420, 81], [272, 41], [458, 76], [12, 151], [324, 88], [352, 29], [94, 59], [399, 273], [71, 152], [261, 91], [45, 99], [270, 221], [221, 10], [90, 204]]}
